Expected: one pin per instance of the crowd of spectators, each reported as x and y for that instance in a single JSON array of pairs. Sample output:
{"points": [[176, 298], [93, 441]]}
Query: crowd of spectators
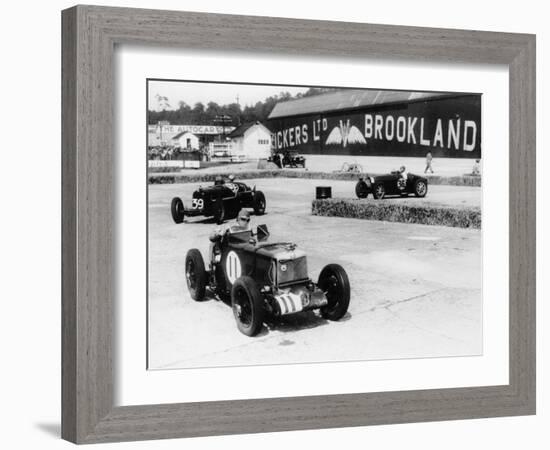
{"points": [[164, 152], [167, 153]]}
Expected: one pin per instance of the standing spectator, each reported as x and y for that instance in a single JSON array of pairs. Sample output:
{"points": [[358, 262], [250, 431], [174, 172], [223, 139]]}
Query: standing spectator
{"points": [[429, 158]]}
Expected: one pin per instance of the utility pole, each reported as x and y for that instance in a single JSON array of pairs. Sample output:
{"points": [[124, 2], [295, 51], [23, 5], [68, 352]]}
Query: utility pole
{"points": [[223, 119]]}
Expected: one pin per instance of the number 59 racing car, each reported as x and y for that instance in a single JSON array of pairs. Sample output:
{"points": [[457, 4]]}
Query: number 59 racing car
{"points": [[264, 279], [221, 201]]}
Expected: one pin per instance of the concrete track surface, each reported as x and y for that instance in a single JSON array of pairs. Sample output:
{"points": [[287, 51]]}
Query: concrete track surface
{"points": [[415, 289]]}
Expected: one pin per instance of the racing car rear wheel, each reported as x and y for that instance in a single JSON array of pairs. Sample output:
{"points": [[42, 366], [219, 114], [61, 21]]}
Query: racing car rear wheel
{"points": [[195, 274], [361, 189], [177, 210], [334, 281], [258, 203], [420, 188], [219, 211], [247, 304], [379, 191]]}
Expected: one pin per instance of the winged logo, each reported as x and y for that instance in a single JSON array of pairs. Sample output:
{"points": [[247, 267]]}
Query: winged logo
{"points": [[345, 134]]}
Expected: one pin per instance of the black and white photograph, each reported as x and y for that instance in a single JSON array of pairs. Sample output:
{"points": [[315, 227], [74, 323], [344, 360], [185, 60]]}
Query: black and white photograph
{"points": [[304, 224], [260, 225]]}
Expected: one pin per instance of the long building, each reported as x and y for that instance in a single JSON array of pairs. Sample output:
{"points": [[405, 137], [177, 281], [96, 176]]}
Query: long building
{"points": [[367, 122]]}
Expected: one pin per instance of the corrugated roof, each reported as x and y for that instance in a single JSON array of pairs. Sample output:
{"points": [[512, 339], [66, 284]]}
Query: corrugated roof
{"points": [[347, 99]]}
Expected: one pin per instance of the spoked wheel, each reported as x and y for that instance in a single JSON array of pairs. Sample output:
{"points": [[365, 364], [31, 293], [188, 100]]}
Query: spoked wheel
{"points": [[258, 203], [379, 192], [247, 304], [177, 210], [420, 188], [361, 189], [195, 274], [334, 281]]}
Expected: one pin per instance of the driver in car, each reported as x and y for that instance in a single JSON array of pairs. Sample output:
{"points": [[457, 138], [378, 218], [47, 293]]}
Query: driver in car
{"points": [[242, 223], [402, 180]]}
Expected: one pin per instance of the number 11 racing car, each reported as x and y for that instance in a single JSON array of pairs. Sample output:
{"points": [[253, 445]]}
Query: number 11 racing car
{"points": [[221, 201], [265, 279]]}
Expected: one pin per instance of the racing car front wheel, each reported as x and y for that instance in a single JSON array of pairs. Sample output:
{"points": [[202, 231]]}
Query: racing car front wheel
{"points": [[420, 188], [334, 281], [361, 189], [247, 304], [258, 203], [195, 274], [177, 210]]}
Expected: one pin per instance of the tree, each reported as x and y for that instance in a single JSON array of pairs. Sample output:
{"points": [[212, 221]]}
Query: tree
{"points": [[201, 115]]}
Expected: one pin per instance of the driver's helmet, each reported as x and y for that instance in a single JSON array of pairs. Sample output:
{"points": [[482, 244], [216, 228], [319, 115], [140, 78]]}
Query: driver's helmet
{"points": [[218, 180], [231, 178], [243, 215]]}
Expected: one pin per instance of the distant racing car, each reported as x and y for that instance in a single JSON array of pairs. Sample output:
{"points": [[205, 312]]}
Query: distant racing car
{"points": [[263, 278], [288, 160], [394, 183], [222, 200]]}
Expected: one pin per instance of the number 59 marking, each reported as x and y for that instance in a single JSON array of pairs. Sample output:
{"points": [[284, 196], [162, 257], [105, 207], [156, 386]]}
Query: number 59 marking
{"points": [[198, 203]]}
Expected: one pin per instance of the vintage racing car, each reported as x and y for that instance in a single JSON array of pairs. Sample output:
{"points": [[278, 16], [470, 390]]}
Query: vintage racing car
{"points": [[288, 159], [222, 201], [350, 168], [263, 278], [392, 184]]}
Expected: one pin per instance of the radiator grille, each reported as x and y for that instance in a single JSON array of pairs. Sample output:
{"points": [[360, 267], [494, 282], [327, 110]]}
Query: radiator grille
{"points": [[291, 270]]}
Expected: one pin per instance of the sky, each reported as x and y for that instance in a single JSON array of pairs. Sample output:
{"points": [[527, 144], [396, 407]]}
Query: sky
{"points": [[220, 93]]}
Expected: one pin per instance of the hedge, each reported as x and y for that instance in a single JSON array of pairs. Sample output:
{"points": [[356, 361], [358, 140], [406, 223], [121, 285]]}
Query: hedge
{"points": [[399, 211], [171, 169], [198, 177]]}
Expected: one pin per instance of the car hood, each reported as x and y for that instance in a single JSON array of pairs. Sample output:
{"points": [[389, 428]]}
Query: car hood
{"points": [[393, 176], [281, 251]]}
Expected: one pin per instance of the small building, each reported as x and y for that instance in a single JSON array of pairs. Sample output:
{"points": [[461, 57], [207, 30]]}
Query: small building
{"points": [[186, 140], [251, 141]]}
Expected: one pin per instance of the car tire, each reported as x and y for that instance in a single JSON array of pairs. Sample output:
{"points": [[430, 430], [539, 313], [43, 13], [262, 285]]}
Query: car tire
{"points": [[334, 281], [378, 192], [195, 274], [247, 305], [177, 210], [420, 188], [219, 211], [361, 189], [258, 203]]}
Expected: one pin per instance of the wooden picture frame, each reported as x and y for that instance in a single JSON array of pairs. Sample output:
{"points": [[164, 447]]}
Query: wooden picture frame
{"points": [[90, 34]]}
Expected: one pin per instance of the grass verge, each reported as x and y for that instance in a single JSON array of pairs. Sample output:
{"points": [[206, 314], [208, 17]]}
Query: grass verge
{"points": [[168, 178], [393, 211]]}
